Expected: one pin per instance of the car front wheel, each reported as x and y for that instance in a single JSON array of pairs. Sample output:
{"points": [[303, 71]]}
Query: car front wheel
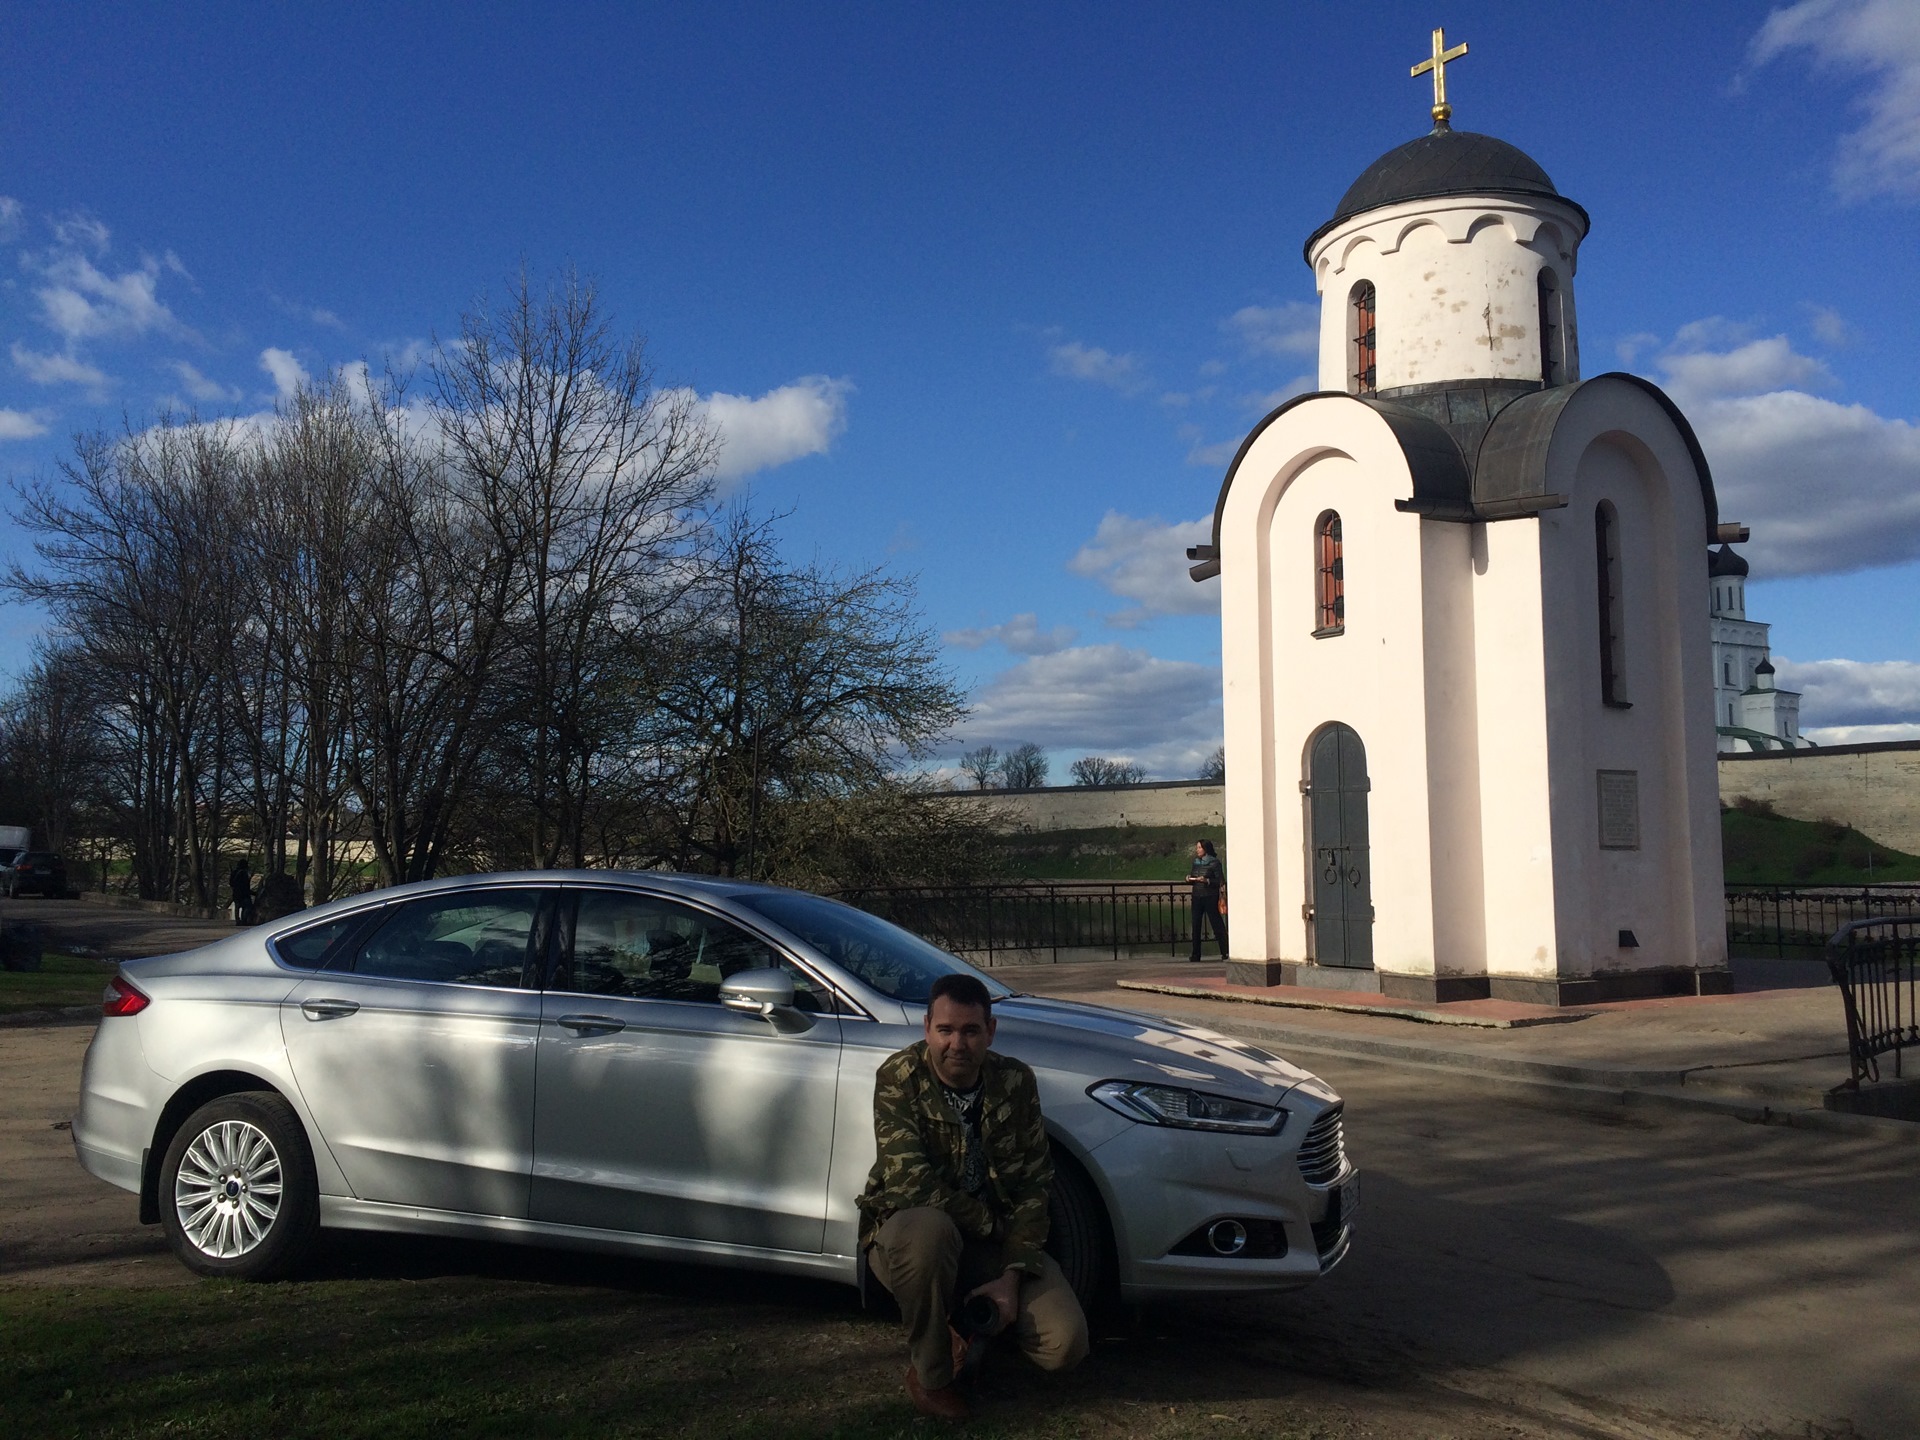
{"points": [[1077, 1235], [237, 1191]]}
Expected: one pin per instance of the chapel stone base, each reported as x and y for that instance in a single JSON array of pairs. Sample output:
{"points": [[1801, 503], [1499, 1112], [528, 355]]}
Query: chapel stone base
{"points": [[1666, 980], [1596, 989]]}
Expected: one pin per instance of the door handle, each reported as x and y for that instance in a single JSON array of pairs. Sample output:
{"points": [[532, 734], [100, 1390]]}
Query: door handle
{"points": [[590, 1024], [327, 1009]]}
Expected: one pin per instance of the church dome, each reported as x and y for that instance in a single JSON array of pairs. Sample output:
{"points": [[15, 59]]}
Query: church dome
{"points": [[1725, 562], [1443, 162]]}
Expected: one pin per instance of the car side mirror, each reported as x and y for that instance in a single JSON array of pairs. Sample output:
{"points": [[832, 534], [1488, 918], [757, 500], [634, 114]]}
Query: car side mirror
{"points": [[767, 993]]}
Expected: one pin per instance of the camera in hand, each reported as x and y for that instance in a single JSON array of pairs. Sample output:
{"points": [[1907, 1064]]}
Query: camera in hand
{"points": [[975, 1317]]}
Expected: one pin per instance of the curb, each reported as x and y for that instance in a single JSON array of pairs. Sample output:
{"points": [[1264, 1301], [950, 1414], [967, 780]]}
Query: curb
{"points": [[1397, 1012]]}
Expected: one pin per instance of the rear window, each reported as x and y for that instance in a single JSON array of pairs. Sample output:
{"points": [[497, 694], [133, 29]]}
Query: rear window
{"points": [[38, 857]]}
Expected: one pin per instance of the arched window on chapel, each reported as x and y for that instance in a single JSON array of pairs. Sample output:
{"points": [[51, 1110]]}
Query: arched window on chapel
{"points": [[1550, 369], [1363, 379], [1613, 653], [1330, 583]]}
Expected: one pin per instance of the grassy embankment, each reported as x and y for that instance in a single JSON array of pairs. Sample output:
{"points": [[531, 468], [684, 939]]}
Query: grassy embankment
{"points": [[61, 980], [1761, 848]]}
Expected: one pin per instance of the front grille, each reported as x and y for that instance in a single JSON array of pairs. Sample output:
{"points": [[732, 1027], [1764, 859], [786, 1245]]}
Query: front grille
{"points": [[1323, 1153]]}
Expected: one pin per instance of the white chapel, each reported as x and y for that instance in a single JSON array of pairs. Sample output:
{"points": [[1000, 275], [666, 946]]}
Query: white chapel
{"points": [[1749, 711], [1464, 620]]}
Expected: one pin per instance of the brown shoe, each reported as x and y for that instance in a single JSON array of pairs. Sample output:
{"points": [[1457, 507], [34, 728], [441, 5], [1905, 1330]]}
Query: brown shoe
{"points": [[942, 1404]]}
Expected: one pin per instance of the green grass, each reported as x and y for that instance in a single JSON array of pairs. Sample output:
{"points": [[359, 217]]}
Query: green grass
{"points": [[1762, 848], [1123, 852], [610, 1349], [61, 980]]}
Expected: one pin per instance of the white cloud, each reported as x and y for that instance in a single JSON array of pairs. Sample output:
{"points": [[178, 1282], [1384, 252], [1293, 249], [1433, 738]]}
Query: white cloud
{"points": [[1089, 362], [1022, 635], [1750, 369], [1103, 700], [10, 217], [1826, 487], [1145, 561], [1853, 693], [1289, 329], [796, 420], [81, 232], [203, 387], [1211, 457], [1859, 734], [287, 372], [20, 425], [80, 301], [1829, 326], [57, 369], [1260, 404], [1878, 39]]}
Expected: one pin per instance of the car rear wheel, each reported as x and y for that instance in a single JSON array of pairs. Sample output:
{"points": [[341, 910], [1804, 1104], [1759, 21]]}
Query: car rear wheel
{"points": [[1077, 1235], [237, 1191]]}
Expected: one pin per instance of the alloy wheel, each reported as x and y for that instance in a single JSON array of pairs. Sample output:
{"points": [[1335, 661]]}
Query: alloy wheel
{"points": [[227, 1190]]}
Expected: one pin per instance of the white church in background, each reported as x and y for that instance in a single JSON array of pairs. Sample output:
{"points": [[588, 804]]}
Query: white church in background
{"points": [[1464, 620], [1749, 712]]}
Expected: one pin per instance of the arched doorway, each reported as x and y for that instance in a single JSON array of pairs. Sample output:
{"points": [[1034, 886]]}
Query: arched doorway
{"points": [[1337, 789]]}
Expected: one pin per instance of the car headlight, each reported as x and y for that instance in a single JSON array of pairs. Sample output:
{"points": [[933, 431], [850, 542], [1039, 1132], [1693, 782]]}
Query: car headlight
{"points": [[1188, 1109]]}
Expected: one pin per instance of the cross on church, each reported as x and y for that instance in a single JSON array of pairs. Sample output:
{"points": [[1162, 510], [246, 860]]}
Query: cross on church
{"points": [[1437, 63]]}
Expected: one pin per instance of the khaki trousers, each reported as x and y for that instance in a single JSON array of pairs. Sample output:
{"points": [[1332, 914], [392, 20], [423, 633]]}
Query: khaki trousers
{"points": [[920, 1256]]}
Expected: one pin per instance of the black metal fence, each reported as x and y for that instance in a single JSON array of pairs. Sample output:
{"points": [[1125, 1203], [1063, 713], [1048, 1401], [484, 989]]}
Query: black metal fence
{"points": [[1785, 922], [1876, 964], [1065, 919]]}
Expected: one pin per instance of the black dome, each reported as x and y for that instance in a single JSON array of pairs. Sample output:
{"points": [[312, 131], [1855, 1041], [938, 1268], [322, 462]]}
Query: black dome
{"points": [[1443, 162], [1725, 561]]}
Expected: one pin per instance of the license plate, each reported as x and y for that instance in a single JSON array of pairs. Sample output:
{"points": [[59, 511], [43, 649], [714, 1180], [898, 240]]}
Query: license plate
{"points": [[1343, 1200]]}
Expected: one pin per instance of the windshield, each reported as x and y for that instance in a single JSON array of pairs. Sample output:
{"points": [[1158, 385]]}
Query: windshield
{"points": [[879, 955]]}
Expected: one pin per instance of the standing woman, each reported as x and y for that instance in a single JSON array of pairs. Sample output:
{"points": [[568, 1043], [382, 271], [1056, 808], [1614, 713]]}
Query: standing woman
{"points": [[1208, 877]]}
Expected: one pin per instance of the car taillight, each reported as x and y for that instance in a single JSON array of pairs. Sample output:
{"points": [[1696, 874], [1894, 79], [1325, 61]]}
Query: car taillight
{"points": [[122, 999]]}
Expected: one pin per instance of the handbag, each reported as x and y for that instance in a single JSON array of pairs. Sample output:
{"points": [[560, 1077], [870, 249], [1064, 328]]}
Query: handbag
{"points": [[1223, 901]]}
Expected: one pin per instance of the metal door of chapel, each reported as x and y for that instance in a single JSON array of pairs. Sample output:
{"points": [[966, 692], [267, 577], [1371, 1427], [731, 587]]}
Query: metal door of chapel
{"points": [[1342, 878]]}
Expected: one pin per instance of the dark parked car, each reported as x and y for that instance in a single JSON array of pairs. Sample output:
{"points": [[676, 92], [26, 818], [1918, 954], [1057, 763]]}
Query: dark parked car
{"points": [[37, 870]]}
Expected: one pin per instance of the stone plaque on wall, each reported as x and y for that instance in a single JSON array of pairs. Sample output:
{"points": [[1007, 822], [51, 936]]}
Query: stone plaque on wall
{"points": [[1619, 809]]}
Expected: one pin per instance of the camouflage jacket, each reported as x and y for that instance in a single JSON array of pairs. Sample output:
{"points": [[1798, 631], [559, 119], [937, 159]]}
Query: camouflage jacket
{"points": [[922, 1147]]}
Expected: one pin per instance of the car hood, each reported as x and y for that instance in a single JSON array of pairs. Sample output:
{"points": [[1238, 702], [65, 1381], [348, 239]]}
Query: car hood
{"points": [[1121, 1045]]}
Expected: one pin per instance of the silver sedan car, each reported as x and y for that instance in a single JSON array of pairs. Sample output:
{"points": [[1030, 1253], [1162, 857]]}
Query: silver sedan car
{"points": [[661, 1065]]}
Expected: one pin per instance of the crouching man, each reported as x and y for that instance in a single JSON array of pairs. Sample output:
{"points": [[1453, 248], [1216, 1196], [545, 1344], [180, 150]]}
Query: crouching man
{"points": [[956, 1204]]}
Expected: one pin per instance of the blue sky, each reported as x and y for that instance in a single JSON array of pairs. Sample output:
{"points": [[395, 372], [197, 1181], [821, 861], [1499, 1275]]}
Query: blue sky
{"points": [[989, 292]]}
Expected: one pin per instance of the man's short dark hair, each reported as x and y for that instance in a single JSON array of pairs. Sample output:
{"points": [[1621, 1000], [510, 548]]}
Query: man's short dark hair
{"points": [[962, 990]]}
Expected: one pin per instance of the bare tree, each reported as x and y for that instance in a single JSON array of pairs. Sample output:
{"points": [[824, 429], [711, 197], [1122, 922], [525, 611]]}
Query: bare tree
{"points": [[982, 766], [1024, 768], [1214, 769], [1098, 770], [789, 686], [583, 473]]}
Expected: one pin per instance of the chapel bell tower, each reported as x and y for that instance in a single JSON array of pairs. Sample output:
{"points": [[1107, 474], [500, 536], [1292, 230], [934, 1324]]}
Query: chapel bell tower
{"points": [[1464, 620]]}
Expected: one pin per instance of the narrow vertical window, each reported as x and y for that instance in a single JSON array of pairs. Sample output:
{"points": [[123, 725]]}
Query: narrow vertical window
{"points": [[1549, 328], [1330, 598], [1606, 558], [1365, 351]]}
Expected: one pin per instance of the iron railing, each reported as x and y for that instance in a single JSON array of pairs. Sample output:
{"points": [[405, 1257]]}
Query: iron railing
{"points": [[1876, 964], [1786, 922], [1001, 924]]}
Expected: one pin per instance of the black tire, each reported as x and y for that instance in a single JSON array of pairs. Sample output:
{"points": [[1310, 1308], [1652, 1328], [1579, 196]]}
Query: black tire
{"points": [[1078, 1236], [252, 1140]]}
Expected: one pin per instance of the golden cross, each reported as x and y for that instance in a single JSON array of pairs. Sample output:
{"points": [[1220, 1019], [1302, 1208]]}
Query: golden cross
{"points": [[1442, 111]]}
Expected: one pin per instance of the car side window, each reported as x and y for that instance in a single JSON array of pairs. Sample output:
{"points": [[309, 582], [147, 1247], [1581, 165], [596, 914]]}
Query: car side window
{"points": [[308, 949], [647, 948], [463, 938]]}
